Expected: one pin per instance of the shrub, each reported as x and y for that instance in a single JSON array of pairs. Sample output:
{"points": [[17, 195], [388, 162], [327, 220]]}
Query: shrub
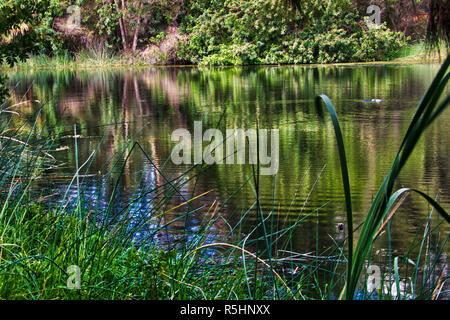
{"points": [[247, 32]]}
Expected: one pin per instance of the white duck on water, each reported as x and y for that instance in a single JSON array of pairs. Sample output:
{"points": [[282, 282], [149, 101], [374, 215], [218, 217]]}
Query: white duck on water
{"points": [[374, 100]]}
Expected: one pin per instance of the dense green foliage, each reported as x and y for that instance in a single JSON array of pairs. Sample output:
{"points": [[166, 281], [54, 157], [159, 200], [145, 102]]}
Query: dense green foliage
{"points": [[216, 32], [255, 32], [58, 230], [17, 17], [16, 39]]}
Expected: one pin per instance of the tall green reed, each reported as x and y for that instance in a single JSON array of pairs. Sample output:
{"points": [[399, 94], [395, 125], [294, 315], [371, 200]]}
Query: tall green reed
{"points": [[429, 108]]}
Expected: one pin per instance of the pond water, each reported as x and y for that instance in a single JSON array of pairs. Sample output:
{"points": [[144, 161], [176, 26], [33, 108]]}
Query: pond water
{"points": [[148, 104]]}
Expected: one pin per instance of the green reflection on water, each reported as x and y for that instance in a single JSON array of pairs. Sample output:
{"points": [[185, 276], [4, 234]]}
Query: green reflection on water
{"points": [[148, 104]]}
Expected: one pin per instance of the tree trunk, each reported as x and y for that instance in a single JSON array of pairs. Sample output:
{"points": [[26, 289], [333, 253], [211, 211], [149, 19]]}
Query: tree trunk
{"points": [[140, 22], [136, 34], [123, 32]]}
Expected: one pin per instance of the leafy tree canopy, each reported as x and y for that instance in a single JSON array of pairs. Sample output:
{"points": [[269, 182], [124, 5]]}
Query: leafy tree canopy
{"points": [[17, 37]]}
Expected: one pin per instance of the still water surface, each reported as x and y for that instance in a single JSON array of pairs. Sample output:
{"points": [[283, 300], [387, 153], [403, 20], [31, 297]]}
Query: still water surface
{"points": [[146, 105]]}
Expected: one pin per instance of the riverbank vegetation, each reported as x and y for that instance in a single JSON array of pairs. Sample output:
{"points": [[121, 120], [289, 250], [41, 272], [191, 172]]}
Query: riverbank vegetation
{"points": [[411, 53], [80, 242], [124, 252], [220, 32]]}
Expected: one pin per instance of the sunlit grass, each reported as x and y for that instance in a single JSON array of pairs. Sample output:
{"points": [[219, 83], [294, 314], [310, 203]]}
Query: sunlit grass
{"points": [[418, 52], [84, 59]]}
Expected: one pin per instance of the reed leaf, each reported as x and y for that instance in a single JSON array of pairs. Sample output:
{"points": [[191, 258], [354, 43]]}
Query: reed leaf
{"points": [[344, 170], [427, 111]]}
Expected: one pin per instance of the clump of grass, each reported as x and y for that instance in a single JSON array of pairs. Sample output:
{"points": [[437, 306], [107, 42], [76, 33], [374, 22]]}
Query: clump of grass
{"points": [[83, 59], [44, 232]]}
